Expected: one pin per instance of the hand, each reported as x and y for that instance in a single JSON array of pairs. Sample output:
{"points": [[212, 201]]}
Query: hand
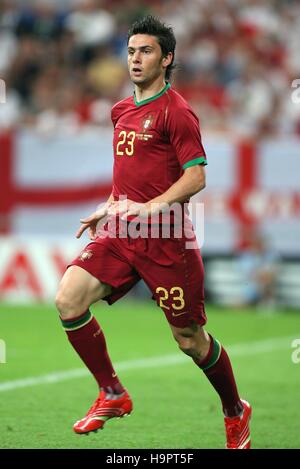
{"points": [[92, 221], [125, 208]]}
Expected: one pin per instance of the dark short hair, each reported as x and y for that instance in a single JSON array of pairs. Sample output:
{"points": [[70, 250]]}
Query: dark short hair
{"points": [[164, 34]]}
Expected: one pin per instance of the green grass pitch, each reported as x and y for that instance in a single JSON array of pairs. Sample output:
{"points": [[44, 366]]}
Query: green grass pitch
{"points": [[174, 404]]}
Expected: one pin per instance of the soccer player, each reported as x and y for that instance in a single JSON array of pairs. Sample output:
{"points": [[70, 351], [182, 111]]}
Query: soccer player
{"points": [[159, 161]]}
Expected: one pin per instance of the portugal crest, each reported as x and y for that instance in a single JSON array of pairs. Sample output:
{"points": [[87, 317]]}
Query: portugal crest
{"points": [[145, 127], [87, 254], [146, 123]]}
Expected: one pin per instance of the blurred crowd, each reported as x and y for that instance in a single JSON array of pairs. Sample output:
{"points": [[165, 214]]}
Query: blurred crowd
{"points": [[64, 61]]}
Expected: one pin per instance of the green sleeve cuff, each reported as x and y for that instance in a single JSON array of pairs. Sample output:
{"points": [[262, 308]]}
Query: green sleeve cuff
{"points": [[201, 160]]}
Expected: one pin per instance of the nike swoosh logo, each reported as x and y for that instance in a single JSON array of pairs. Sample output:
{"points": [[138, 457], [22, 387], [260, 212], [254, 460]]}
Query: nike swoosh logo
{"points": [[178, 314]]}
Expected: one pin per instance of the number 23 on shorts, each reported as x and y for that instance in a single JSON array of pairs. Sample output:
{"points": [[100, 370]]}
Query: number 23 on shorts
{"points": [[176, 296]]}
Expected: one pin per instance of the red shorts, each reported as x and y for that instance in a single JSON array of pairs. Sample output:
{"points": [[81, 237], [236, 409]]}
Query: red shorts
{"points": [[174, 274]]}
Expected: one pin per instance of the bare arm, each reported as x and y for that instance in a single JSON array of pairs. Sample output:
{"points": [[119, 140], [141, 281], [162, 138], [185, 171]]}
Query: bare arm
{"points": [[191, 182]]}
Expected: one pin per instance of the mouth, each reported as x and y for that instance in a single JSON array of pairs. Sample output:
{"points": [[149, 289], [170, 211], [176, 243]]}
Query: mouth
{"points": [[136, 71]]}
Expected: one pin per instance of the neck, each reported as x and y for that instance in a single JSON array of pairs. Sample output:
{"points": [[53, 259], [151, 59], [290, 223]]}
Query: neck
{"points": [[148, 90]]}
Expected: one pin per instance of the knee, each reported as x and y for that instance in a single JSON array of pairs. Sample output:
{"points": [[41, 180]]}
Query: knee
{"points": [[192, 347], [67, 305], [187, 346], [62, 303]]}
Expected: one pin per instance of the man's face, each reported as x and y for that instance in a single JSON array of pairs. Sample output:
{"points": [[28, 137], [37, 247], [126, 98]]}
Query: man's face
{"points": [[145, 60]]}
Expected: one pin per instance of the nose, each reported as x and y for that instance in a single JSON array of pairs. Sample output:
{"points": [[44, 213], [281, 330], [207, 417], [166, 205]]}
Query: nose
{"points": [[136, 57]]}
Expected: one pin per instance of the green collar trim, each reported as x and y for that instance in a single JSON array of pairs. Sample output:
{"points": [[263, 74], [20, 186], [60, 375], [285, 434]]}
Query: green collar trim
{"points": [[148, 100]]}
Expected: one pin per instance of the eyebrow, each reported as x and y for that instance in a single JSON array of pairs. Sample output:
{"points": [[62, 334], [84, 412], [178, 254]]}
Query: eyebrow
{"points": [[140, 48]]}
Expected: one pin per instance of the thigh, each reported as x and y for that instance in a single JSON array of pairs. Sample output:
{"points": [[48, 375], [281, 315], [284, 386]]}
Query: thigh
{"points": [[106, 260], [80, 287], [175, 275]]}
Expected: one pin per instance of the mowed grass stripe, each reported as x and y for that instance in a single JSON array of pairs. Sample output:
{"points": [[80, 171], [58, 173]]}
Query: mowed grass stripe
{"points": [[244, 349]]}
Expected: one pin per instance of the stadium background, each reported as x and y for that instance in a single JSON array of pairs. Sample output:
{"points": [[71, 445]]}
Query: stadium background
{"points": [[64, 65]]}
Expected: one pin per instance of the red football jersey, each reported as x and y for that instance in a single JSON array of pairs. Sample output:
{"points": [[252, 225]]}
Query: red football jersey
{"points": [[154, 141]]}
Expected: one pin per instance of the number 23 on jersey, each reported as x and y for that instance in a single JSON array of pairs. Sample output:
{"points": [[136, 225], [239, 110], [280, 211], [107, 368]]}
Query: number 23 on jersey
{"points": [[125, 145]]}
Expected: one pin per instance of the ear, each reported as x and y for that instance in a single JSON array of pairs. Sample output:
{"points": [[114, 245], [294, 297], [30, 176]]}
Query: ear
{"points": [[166, 61]]}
